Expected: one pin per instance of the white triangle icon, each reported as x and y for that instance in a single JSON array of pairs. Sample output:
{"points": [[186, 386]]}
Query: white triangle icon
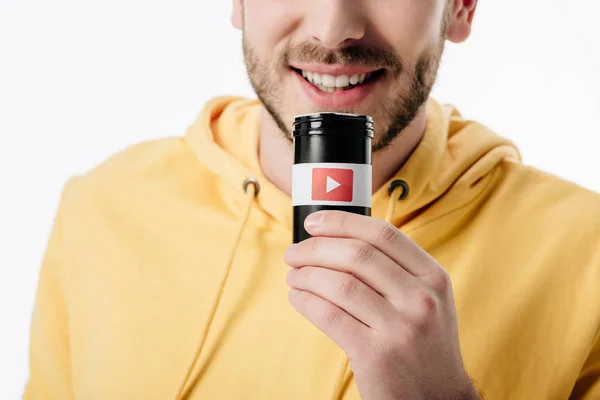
{"points": [[332, 184]]}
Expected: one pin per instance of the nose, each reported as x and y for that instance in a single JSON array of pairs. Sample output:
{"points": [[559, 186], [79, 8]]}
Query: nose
{"points": [[336, 23]]}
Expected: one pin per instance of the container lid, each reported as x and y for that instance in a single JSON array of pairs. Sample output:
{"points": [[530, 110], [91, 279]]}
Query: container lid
{"points": [[332, 123]]}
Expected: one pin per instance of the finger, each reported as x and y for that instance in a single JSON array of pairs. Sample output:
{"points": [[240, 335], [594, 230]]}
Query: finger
{"points": [[355, 257], [345, 291], [347, 332], [380, 234]]}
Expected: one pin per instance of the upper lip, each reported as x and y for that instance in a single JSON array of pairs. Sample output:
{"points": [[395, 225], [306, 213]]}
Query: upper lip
{"points": [[336, 70]]}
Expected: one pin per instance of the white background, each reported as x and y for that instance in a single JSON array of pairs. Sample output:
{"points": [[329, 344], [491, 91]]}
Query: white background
{"points": [[80, 80]]}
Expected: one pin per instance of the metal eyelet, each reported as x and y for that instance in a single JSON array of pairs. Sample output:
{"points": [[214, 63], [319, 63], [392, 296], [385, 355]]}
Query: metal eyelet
{"points": [[397, 183], [254, 182]]}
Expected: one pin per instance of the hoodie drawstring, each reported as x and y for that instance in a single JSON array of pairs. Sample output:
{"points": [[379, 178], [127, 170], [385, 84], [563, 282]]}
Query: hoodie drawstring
{"points": [[398, 190], [394, 192], [251, 189]]}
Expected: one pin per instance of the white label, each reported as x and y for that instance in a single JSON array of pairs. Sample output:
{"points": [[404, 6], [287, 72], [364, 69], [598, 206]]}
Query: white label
{"points": [[332, 184]]}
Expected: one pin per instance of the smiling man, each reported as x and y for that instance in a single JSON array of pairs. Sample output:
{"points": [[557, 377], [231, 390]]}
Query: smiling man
{"points": [[169, 272]]}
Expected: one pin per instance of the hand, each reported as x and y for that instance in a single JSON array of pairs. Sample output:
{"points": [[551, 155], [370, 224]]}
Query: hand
{"points": [[385, 301]]}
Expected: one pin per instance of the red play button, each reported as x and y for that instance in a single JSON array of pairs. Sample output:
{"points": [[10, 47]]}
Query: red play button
{"points": [[332, 184]]}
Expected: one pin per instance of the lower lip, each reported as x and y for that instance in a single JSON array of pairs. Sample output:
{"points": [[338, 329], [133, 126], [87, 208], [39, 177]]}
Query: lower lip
{"points": [[339, 99]]}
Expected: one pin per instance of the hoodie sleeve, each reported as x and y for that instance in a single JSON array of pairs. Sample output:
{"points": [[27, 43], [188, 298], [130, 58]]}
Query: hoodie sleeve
{"points": [[49, 369]]}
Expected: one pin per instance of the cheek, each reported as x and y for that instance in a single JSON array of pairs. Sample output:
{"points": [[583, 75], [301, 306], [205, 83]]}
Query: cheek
{"points": [[267, 23], [412, 27]]}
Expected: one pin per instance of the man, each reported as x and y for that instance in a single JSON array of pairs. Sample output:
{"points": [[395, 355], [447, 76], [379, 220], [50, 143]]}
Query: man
{"points": [[476, 277]]}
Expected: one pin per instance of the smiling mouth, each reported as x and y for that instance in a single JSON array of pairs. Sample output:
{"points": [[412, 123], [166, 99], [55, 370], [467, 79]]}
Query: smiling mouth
{"points": [[332, 83]]}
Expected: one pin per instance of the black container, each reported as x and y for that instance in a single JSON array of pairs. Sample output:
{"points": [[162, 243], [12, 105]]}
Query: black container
{"points": [[332, 166]]}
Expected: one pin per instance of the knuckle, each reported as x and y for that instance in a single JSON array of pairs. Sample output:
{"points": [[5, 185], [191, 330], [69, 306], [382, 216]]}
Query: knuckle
{"points": [[332, 315], [385, 232], [364, 252], [440, 281], [426, 308], [426, 304], [337, 219], [349, 286]]}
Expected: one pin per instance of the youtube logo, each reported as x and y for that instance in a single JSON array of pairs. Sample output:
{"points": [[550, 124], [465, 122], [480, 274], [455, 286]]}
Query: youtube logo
{"points": [[332, 184]]}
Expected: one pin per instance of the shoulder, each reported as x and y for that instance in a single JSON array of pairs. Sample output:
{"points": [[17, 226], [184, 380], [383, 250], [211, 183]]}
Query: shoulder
{"points": [[546, 188], [133, 177], [548, 203], [142, 160]]}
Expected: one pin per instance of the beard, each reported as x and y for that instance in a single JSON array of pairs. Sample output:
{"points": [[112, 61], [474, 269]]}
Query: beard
{"points": [[396, 112]]}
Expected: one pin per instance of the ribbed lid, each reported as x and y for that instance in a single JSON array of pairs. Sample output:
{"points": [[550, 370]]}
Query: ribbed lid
{"points": [[330, 123]]}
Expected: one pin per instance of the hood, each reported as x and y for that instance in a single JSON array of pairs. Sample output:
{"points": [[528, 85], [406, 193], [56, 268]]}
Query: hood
{"points": [[449, 167]]}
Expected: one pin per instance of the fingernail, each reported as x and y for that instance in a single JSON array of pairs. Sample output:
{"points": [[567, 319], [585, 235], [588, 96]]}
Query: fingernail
{"points": [[313, 220]]}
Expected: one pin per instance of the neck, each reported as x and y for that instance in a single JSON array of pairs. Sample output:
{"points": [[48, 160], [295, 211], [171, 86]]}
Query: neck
{"points": [[277, 157]]}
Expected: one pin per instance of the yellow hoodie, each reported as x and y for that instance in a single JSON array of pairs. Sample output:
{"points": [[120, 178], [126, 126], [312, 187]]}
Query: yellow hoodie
{"points": [[164, 280]]}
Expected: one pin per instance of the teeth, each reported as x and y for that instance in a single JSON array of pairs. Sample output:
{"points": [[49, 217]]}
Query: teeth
{"points": [[342, 81], [329, 83], [326, 89]]}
